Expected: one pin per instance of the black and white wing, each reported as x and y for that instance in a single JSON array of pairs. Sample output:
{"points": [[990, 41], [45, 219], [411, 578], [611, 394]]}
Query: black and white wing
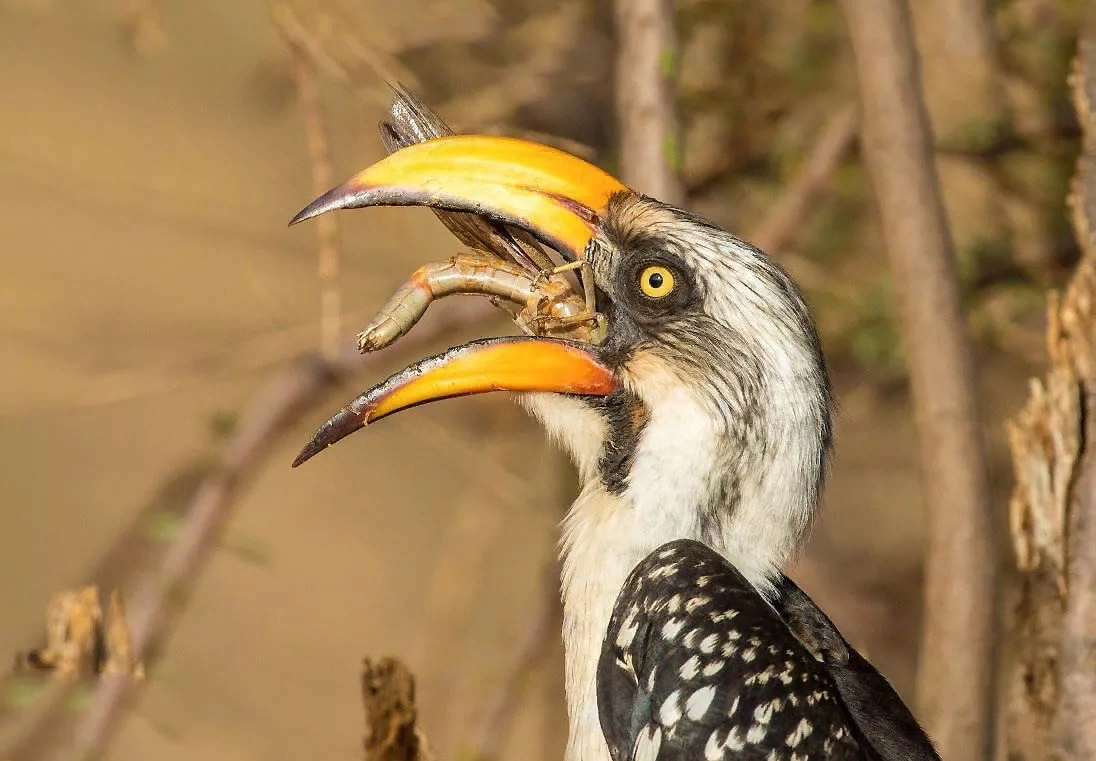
{"points": [[876, 708], [697, 665]]}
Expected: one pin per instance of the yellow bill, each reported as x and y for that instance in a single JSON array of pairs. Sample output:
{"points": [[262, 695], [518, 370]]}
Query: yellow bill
{"points": [[557, 197], [515, 363]]}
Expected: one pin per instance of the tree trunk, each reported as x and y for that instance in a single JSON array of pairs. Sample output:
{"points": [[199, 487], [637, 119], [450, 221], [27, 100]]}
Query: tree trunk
{"points": [[650, 139], [955, 677], [965, 103], [1052, 681]]}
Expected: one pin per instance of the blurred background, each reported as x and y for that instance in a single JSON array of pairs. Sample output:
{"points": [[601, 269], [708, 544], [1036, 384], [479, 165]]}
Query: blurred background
{"points": [[151, 154]]}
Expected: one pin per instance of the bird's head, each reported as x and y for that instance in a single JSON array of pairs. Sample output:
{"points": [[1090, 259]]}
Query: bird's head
{"points": [[705, 408]]}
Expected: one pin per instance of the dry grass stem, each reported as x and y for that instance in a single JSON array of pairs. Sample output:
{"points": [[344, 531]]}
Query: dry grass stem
{"points": [[323, 178], [332, 36]]}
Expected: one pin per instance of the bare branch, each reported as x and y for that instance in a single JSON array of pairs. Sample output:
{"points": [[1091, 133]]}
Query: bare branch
{"points": [[545, 37], [650, 138], [142, 21], [786, 215], [259, 353], [287, 397], [955, 677], [450, 598], [970, 28], [337, 39], [327, 228], [544, 627], [282, 402]]}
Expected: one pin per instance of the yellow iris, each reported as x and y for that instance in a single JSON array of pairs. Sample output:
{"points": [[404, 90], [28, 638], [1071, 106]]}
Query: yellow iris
{"points": [[656, 282]]}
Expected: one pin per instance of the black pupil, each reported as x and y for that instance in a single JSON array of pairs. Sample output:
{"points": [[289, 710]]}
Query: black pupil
{"points": [[655, 280]]}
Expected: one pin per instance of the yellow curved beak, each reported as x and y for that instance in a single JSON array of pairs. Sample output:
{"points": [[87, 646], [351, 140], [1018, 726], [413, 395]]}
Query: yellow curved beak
{"points": [[557, 197], [514, 363]]}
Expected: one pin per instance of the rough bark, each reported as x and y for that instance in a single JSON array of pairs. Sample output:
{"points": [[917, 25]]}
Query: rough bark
{"points": [[1075, 729], [954, 681], [391, 731], [650, 139], [1051, 712]]}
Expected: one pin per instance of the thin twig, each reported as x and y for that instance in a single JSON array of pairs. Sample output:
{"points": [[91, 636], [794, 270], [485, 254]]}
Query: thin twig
{"points": [[286, 398], [500, 709], [291, 30], [955, 685], [254, 354], [332, 37], [529, 80], [450, 600], [327, 228], [544, 626], [785, 216]]}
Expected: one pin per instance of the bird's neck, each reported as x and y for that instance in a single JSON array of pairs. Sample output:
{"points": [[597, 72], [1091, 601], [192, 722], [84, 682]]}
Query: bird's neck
{"points": [[751, 500], [658, 469]]}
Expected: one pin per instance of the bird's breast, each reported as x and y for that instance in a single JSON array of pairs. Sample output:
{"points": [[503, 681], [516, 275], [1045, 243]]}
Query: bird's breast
{"points": [[604, 537]]}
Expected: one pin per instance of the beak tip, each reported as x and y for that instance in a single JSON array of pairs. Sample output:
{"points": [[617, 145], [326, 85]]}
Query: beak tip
{"points": [[314, 209], [337, 428], [306, 454], [343, 197], [300, 216]]}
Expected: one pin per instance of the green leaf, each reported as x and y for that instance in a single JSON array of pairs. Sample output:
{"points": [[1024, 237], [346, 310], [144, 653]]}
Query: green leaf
{"points": [[222, 423], [23, 692], [164, 525], [671, 149], [250, 549], [80, 699], [667, 63]]}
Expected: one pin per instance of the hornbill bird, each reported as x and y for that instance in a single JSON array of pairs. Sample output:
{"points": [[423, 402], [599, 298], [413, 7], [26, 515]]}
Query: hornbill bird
{"points": [[700, 424]]}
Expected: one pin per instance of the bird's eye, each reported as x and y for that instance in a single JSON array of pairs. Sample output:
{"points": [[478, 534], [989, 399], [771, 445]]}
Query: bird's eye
{"points": [[656, 282]]}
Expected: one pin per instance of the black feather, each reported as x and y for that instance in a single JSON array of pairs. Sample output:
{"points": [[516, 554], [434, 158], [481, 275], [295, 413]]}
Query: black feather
{"points": [[696, 664], [875, 706]]}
